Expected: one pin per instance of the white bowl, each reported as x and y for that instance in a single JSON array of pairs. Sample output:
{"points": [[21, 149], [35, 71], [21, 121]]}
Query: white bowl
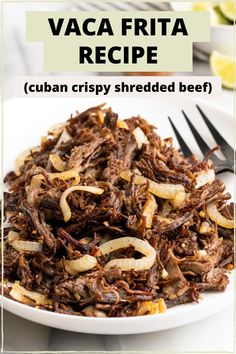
{"points": [[222, 36]]}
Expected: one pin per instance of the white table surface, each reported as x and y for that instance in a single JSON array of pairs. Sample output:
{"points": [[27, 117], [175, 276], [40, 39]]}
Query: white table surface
{"points": [[209, 335]]}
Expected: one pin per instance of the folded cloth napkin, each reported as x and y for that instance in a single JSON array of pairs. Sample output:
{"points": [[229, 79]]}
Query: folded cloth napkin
{"points": [[122, 6]]}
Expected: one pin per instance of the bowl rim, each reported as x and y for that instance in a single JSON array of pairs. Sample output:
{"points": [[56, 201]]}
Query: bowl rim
{"points": [[223, 26]]}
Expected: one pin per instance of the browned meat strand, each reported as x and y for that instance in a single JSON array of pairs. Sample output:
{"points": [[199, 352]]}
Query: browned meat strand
{"points": [[98, 147], [177, 284]]}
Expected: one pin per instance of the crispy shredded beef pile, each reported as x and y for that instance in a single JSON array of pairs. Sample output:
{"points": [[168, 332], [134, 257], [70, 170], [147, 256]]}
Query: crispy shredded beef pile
{"points": [[101, 150]]}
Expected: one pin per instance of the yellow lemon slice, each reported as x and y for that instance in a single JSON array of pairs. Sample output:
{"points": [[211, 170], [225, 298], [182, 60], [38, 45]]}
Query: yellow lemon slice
{"points": [[228, 9], [224, 66], [215, 16]]}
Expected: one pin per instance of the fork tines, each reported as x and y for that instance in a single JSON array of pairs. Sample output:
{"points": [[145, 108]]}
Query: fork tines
{"points": [[227, 150]]}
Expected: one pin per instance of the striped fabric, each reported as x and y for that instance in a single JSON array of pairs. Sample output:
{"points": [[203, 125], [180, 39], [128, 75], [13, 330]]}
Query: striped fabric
{"points": [[119, 6]]}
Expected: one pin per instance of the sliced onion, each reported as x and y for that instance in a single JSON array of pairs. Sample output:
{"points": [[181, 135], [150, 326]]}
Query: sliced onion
{"points": [[91, 311], [23, 293], [129, 263], [166, 208], [82, 264], [202, 253], [15, 294], [100, 116], [162, 305], [204, 177], [162, 190], [44, 139], [86, 240], [65, 175], [149, 210], [63, 202], [56, 129], [137, 172], [165, 220], [33, 189], [164, 274], [218, 218], [122, 124], [178, 200], [12, 236], [90, 172], [57, 162], [20, 160], [205, 228], [65, 136], [140, 137], [152, 308], [36, 181], [27, 246]]}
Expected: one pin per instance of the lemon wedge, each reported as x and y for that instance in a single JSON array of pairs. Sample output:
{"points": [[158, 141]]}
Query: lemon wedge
{"points": [[201, 6], [215, 15], [224, 66], [228, 9]]}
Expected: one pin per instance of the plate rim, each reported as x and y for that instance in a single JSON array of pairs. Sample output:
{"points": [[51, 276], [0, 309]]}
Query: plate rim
{"points": [[179, 310]]}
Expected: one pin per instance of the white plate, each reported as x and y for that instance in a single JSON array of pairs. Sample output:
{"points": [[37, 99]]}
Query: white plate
{"points": [[25, 120]]}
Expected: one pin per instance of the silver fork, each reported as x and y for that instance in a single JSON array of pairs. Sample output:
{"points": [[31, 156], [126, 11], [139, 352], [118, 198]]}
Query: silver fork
{"points": [[220, 165]]}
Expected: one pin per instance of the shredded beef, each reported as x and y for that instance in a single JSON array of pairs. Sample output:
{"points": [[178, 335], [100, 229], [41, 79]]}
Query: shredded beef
{"points": [[99, 149]]}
